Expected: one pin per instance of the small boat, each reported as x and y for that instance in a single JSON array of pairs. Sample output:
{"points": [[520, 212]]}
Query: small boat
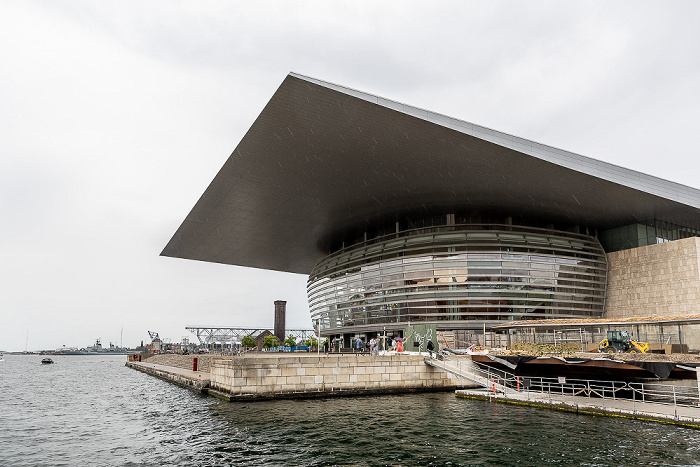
{"points": [[46, 361]]}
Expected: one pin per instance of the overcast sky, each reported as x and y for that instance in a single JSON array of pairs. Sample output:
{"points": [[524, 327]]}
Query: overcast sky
{"points": [[115, 116]]}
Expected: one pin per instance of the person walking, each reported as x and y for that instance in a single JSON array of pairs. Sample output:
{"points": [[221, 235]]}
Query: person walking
{"points": [[358, 345], [373, 347], [431, 347]]}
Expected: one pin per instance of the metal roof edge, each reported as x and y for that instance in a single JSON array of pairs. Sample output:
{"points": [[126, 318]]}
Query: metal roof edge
{"points": [[604, 170]]}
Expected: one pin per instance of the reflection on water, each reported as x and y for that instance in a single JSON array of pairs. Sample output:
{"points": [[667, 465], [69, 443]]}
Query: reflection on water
{"points": [[91, 409]]}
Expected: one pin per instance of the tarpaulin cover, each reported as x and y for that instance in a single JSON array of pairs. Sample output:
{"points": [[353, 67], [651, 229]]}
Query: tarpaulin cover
{"points": [[660, 369]]}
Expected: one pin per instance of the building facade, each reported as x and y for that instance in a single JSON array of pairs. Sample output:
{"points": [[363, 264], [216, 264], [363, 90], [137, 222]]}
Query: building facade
{"points": [[399, 215], [459, 276]]}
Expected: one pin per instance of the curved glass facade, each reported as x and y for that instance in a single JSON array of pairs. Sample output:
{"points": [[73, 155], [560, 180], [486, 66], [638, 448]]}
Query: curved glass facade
{"points": [[458, 277]]}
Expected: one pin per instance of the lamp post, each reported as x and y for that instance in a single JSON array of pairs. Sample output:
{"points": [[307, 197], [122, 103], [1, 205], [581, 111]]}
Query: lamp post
{"points": [[318, 333], [384, 342]]}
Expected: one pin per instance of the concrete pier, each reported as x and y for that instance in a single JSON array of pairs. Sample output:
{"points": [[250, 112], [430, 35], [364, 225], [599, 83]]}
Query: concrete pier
{"points": [[196, 380], [274, 375], [664, 413], [298, 375]]}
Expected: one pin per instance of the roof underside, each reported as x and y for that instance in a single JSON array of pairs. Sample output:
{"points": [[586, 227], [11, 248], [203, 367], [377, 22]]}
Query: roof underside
{"points": [[321, 159]]}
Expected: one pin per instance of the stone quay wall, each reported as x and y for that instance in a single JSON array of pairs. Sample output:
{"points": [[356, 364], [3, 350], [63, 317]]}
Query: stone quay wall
{"points": [[173, 376], [182, 361], [307, 375]]}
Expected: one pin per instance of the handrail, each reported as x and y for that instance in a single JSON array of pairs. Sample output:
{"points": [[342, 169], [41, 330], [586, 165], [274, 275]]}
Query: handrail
{"points": [[500, 381], [488, 377]]}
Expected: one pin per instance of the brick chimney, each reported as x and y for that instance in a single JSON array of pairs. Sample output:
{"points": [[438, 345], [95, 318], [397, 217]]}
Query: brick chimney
{"points": [[280, 318]]}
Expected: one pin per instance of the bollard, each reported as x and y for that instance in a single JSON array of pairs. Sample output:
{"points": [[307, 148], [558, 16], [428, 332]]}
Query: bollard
{"points": [[194, 364]]}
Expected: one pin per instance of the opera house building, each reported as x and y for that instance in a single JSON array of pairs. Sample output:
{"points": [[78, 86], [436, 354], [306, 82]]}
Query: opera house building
{"points": [[399, 215]]}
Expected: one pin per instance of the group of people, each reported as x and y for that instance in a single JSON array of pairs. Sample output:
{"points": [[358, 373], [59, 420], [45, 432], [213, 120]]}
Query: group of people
{"points": [[372, 345], [395, 345]]}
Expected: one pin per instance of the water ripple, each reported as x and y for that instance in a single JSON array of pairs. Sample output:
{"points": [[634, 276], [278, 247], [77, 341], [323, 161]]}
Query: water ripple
{"points": [[93, 410]]}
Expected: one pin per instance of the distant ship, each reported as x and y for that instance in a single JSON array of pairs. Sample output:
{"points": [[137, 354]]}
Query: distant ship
{"points": [[112, 349], [94, 350], [68, 351]]}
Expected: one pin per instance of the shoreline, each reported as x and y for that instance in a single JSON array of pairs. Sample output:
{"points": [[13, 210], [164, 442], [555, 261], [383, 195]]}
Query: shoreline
{"points": [[270, 377], [285, 376], [684, 416]]}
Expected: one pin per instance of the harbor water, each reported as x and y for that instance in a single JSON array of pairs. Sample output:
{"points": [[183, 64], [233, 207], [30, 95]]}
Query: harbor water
{"points": [[92, 410]]}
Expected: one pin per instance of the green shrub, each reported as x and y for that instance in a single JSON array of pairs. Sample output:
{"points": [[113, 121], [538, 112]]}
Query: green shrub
{"points": [[248, 342], [311, 342], [270, 341]]}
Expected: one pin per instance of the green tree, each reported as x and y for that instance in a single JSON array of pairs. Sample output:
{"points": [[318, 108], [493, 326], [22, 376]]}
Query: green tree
{"points": [[290, 341], [270, 341], [248, 342], [311, 342]]}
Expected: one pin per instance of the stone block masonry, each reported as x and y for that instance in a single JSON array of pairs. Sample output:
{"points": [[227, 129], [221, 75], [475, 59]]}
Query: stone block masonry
{"points": [[194, 380], [181, 361], [311, 375], [654, 280], [270, 376]]}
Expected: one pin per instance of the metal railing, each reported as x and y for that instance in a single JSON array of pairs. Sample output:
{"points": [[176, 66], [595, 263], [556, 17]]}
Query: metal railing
{"points": [[656, 393], [467, 369], [505, 383]]}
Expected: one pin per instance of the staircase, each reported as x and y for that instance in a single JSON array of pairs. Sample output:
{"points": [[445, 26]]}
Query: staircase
{"points": [[464, 367]]}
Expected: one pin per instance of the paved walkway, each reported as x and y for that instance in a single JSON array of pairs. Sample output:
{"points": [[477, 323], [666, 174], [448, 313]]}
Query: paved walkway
{"points": [[195, 376], [666, 413]]}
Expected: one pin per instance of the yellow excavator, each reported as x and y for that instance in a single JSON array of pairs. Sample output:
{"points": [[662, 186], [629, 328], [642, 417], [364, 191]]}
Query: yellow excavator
{"points": [[619, 341]]}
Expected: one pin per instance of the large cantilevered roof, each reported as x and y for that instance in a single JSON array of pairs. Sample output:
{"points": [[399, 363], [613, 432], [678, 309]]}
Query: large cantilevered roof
{"points": [[321, 158]]}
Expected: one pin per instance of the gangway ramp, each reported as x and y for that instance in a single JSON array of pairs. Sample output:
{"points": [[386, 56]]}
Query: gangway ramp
{"points": [[464, 367]]}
